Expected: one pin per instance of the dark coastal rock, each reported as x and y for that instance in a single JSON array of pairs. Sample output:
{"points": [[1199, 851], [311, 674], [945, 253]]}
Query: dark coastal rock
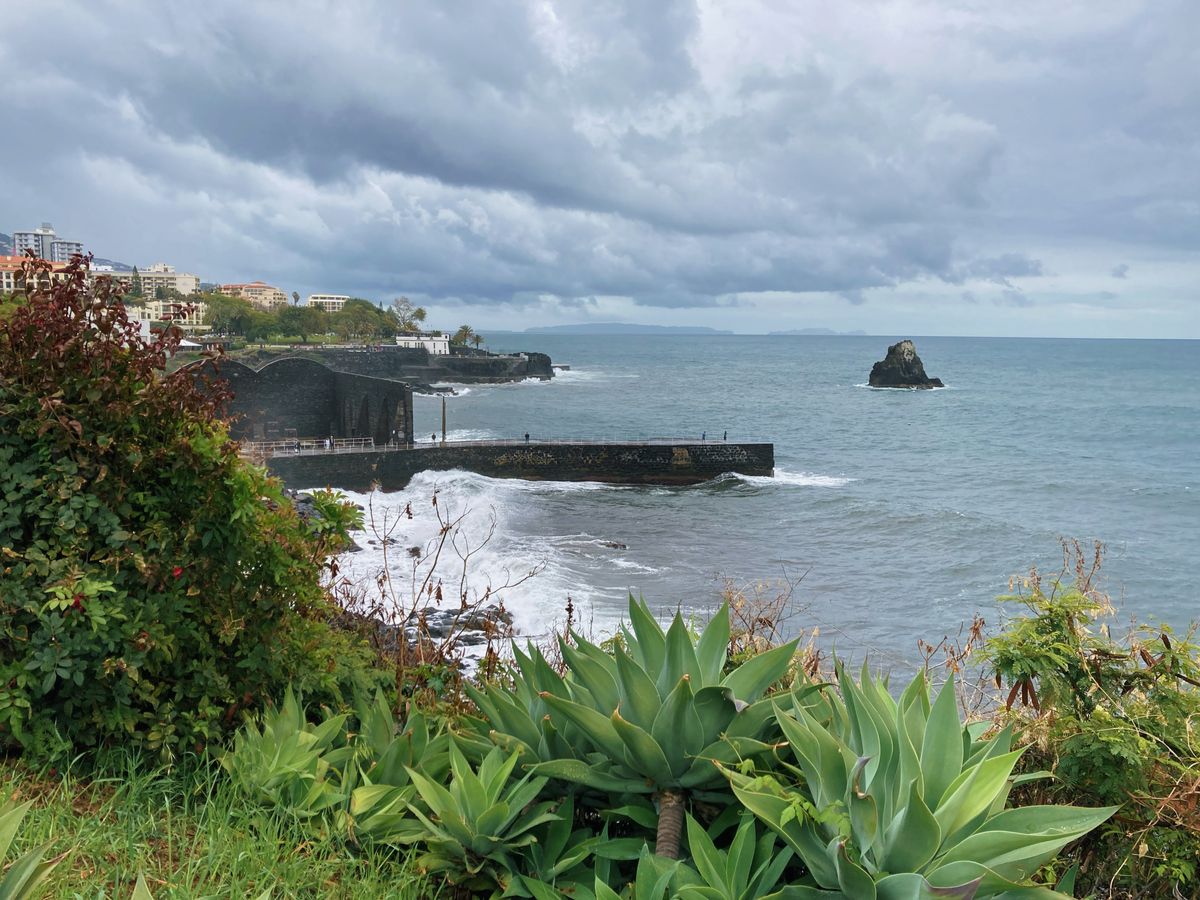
{"points": [[614, 545], [901, 368], [472, 626]]}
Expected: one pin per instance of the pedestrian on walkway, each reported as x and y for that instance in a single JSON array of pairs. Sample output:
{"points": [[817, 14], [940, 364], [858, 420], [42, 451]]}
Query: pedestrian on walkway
{"points": [[725, 436], [703, 435], [527, 437]]}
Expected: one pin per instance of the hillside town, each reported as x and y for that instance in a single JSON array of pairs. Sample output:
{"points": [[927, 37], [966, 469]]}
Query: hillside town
{"points": [[159, 293]]}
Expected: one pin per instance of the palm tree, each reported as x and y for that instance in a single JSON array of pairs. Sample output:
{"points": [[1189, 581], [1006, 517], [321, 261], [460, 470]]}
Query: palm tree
{"points": [[295, 298], [477, 339]]}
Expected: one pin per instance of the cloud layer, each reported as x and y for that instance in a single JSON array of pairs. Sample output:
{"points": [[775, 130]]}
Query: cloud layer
{"points": [[764, 166]]}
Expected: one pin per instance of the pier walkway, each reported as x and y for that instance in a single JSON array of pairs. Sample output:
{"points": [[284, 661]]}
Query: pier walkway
{"points": [[360, 464]]}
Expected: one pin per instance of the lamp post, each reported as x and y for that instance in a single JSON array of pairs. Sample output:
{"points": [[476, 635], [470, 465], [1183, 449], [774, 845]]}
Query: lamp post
{"points": [[443, 421]]}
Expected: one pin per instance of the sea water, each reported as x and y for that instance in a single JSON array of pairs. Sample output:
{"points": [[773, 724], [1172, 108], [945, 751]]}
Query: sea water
{"points": [[897, 514]]}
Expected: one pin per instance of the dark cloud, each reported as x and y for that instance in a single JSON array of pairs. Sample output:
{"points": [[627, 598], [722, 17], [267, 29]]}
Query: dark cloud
{"points": [[1120, 271], [517, 155]]}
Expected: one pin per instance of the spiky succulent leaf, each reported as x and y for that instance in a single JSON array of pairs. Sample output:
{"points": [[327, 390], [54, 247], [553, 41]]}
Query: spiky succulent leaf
{"points": [[713, 648], [749, 680], [640, 701]]}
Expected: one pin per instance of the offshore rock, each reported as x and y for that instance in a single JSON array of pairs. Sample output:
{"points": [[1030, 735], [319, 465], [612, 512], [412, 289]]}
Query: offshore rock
{"points": [[901, 368]]}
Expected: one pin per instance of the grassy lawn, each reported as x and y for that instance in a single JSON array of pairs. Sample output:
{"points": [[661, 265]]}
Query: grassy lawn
{"points": [[191, 835]]}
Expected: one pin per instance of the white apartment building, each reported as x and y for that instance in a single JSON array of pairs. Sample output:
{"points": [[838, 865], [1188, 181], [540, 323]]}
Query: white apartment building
{"points": [[262, 295], [161, 275], [436, 342], [331, 303], [45, 243]]}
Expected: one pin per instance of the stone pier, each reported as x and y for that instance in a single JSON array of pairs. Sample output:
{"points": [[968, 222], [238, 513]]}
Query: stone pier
{"points": [[632, 462]]}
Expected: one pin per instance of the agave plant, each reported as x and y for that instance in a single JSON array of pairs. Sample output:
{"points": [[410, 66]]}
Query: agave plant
{"points": [[648, 718], [324, 773], [23, 877], [898, 800], [749, 870], [289, 764], [471, 829], [565, 860], [378, 784]]}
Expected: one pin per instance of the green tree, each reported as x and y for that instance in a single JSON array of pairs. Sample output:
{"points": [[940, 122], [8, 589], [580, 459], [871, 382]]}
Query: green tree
{"points": [[160, 293], [302, 321], [295, 298], [153, 584], [463, 335], [135, 284], [227, 315], [477, 339], [362, 320], [260, 325]]}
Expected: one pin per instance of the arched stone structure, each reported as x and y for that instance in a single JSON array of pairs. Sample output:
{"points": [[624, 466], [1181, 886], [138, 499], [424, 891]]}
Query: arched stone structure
{"points": [[302, 398]]}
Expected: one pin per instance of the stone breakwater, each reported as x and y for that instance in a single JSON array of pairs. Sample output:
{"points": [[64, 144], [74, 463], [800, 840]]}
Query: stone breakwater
{"points": [[419, 367], [660, 463]]}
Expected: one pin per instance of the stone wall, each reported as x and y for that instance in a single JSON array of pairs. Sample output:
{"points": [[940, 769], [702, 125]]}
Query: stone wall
{"points": [[301, 398], [417, 364], [616, 463]]}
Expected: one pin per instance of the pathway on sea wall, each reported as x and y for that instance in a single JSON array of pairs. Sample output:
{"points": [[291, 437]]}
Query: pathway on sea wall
{"points": [[662, 462]]}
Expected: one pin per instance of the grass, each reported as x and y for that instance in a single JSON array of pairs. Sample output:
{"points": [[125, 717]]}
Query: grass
{"points": [[192, 836]]}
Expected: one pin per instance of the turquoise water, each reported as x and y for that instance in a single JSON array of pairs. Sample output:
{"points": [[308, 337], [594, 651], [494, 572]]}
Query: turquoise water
{"points": [[905, 512]]}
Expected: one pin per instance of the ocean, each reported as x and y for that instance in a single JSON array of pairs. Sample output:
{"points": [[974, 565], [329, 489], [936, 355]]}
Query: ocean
{"points": [[895, 515]]}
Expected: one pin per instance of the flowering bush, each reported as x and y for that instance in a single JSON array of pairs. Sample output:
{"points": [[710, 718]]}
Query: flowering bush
{"points": [[152, 583]]}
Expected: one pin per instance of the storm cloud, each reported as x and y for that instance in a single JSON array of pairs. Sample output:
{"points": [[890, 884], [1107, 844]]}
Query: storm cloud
{"points": [[762, 163]]}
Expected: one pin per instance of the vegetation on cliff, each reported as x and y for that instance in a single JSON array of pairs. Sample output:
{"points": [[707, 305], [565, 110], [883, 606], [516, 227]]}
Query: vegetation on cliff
{"points": [[152, 584]]}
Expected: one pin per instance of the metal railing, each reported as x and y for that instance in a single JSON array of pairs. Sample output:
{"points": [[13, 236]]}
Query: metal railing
{"points": [[306, 447], [322, 446]]}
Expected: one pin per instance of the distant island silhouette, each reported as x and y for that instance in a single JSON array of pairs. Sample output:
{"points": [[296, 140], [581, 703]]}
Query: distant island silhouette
{"points": [[622, 328]]}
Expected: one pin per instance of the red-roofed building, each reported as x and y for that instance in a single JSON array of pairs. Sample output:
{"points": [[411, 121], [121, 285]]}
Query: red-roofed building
{"points": [[262, 295], [10, 273]]}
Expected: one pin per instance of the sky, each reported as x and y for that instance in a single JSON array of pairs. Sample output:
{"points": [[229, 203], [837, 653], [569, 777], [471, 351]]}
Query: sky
{"points": [[963, 167]]}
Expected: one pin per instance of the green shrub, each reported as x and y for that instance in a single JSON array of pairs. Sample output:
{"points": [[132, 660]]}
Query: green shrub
{"points": [[152, 583], [1116, 722]]}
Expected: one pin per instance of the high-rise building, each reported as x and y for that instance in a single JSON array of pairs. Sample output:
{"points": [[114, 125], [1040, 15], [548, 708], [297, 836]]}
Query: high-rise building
{"points": [[62, 251], [45, 244]]}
